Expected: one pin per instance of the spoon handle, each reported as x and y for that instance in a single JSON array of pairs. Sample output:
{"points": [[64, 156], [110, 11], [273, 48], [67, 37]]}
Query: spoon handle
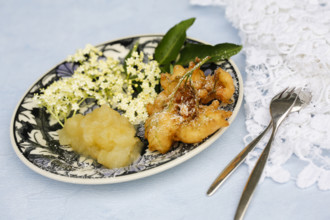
{"points": [[253, 180], [231, 167]]}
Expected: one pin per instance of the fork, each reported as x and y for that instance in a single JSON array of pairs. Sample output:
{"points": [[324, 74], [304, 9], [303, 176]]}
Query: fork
{"points": [[280, 107], [303, 99]]}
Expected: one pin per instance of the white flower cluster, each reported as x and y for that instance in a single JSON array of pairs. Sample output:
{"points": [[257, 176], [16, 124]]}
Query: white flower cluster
{"points": [[105, 80], [140, 76]]}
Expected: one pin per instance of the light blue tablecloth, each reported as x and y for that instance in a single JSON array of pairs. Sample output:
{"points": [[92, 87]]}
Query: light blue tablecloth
{"points": [[36, 35]]}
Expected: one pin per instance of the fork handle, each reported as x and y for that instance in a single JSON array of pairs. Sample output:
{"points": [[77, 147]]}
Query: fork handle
{"points": [[253, 180], [231, 167]]}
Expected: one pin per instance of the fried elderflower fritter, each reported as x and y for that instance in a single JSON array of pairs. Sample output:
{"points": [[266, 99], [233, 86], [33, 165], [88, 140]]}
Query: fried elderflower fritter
{"points": [[187, 109]]}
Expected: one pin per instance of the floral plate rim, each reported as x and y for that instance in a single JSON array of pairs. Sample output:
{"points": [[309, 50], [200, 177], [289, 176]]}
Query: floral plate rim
{"points": [[131, 176]]}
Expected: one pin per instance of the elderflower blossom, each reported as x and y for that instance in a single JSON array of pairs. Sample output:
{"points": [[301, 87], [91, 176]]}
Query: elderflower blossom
{"points": [[60, 99], [146, 75], [103, 79]]}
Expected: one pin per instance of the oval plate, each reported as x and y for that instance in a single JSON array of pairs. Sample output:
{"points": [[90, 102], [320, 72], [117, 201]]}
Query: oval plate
{"points": [[34, 137]]}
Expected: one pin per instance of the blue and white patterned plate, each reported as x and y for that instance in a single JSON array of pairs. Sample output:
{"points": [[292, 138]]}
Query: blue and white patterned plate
{"points": [[35, 139]]}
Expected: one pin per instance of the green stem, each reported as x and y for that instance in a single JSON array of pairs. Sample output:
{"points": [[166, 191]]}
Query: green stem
{"points": [[186, 76], [57, 119], [135, 47], [79, 103]]}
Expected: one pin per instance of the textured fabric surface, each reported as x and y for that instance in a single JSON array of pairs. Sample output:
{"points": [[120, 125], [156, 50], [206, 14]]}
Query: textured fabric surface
{"points": [[287, 44]]}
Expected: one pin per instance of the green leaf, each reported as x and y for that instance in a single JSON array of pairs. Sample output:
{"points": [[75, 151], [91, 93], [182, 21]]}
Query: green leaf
{"points": [[170, 45], [217, 52]]}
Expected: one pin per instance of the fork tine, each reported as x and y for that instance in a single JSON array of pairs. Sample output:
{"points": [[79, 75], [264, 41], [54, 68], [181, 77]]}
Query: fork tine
{"points": [[289, 93], [284, 91], [280, 94], [298, 91], [292, 89], [295, 94]]}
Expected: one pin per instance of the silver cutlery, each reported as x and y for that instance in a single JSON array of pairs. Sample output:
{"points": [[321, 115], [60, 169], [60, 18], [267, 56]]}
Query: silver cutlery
{"points": [[303, 99], [280, 107]]}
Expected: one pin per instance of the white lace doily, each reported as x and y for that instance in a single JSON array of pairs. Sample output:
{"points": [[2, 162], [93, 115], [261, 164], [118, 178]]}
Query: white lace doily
{"points": [[287, 43]]}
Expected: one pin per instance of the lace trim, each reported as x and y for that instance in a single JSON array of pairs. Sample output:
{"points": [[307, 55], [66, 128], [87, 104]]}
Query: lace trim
{"points": [[287, 43]]}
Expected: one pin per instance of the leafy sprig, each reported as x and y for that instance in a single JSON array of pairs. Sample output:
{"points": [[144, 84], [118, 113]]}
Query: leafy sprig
{"points": [[217, 52], [170, 45], [186, 77], [173, 50]]}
